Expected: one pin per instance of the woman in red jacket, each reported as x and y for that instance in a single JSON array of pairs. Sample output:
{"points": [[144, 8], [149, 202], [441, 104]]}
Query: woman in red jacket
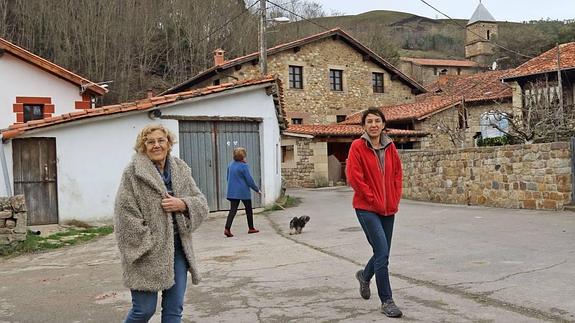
{"points": [[374, 172]]}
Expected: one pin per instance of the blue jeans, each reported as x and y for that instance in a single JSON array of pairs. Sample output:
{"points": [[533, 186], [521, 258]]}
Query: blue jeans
{"points": [[144, 303], [378, 230]]}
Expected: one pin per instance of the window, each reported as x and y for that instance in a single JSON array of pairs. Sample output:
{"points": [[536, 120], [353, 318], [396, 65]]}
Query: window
{"points": [[443, 72], [435, 71], [33, 112], [340, 118], [296, 121], [336, 80], [488, 34], [295, 77], [459, 71], [377, 82], [216, 82], [287, 154]]}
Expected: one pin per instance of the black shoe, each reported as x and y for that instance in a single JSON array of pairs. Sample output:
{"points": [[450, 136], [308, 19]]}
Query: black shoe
{"points": [[390, 309], [363, 285]]}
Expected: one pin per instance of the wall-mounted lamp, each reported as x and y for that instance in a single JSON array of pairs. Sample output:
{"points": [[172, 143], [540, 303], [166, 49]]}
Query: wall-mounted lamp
{"points": [[154, 114]]}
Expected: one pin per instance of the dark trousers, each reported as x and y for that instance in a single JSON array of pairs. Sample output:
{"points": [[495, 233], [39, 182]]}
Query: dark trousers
{"points": [[234, 209], [378, 230]]}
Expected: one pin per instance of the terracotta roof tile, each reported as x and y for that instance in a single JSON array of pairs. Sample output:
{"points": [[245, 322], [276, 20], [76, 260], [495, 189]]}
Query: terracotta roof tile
{"points": [[50, 67], [445, 94], [440, 62], [343, 130], [547, 62], [145, 104], [473, 87]]}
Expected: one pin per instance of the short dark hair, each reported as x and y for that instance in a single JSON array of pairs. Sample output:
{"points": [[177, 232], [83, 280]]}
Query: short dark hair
{"points": [[374, 111]]}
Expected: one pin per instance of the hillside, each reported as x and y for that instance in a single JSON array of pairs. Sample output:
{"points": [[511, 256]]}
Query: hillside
{"points": [[393, 34]]}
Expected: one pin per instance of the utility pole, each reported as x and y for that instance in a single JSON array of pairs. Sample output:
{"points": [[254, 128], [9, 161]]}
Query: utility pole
{"points": [[263, 49]]}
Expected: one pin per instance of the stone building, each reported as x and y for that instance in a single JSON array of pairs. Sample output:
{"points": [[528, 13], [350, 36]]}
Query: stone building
{"points": [[327, 76], [480, 30], [426, 70], [449, 116]]}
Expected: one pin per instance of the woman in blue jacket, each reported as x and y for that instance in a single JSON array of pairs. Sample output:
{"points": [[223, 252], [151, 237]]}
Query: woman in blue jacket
{"points": [[239, 183]]}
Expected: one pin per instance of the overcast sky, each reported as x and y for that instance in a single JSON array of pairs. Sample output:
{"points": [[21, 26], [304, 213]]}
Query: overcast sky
{"points": [[502, 10]]}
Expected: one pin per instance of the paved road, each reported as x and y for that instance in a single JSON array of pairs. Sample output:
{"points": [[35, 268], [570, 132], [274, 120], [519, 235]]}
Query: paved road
{"points": [[448, 264]]}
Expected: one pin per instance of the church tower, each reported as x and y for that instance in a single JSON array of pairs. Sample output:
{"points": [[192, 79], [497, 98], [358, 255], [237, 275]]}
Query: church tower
{"points": [[481, 29]]}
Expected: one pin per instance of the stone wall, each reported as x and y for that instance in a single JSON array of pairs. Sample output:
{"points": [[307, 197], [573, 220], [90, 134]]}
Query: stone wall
{"points": [[13, 219], [536, 176], [316, 103], [299, 170]]}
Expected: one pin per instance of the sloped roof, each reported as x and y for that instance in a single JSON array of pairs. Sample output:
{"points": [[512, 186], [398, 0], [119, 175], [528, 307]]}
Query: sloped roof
{"points": [[297, 43], [344, 130], [546, 62], [440, 62], [481, 14], [50, 67], [473, 87], [449, 91], [147, 104], [409, 111]]}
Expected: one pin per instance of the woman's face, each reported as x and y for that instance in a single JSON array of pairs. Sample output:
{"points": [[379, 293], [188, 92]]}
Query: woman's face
{"points": [[373, 125], [157, 146]]}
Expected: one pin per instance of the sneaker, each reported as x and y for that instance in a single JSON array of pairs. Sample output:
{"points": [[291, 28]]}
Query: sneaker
{"points": [[363, 285], [390, 309]]}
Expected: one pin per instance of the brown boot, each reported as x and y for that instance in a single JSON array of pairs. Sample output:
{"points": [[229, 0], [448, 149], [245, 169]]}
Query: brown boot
{"points": [[228, 233]]}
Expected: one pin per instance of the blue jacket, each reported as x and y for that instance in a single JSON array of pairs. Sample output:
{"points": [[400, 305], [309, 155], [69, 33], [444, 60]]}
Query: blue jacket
{"points": [[239, 181]]}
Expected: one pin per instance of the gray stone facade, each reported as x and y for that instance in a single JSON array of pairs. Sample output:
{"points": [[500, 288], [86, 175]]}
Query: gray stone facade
{"points": [[536, 176], [315, 103]]}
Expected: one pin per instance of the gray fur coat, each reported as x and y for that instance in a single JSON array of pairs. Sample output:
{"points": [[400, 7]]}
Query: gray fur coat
{"points": [[145, 232]]}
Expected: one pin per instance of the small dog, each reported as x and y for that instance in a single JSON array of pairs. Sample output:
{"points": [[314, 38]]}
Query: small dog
{"points": [[296, 224]]}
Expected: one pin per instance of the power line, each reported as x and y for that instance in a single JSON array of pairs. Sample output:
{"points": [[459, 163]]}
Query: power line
{"points": [[480, 36], [295, 14]]}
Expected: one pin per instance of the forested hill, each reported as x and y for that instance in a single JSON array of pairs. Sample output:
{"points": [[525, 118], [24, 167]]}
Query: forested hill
{"points": [[154, 44]]}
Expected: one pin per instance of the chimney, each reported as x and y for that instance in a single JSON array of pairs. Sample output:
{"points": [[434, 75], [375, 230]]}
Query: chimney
{"points": [[442, 80], [150, 94], [219, 57]]}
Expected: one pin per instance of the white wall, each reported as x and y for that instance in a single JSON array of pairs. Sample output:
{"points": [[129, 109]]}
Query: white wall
{"points": [[92, 154], [18, 78]]}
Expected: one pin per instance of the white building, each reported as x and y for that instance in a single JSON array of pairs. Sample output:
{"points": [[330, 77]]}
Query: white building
{"points": [[69, 166], [33, 88]]}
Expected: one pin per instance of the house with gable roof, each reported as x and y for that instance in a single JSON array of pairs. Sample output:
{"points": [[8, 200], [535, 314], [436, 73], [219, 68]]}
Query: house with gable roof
{"points": [[327, 77], [34, 88], [69, 166]]}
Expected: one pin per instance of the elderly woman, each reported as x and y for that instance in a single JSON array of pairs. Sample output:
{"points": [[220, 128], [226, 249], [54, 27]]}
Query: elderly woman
{"points": [[158, 206], [239, 183], [374, 172]]}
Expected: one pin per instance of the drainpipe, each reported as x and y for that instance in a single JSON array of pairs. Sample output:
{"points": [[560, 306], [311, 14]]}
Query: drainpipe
{"points": [[5, 168]]}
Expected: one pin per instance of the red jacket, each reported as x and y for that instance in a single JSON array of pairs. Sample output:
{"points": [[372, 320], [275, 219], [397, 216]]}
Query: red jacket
{"points": [[377, 190]]}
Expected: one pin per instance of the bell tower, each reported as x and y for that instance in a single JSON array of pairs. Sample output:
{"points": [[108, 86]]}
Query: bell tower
{"points": [[481, 29]]}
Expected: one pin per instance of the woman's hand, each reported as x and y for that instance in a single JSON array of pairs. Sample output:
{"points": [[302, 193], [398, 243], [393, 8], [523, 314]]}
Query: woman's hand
{"points": [[173, 204]]}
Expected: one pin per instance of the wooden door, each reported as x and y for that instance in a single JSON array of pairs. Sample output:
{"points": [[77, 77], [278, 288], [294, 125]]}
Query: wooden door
{"points": [[34, 164]]}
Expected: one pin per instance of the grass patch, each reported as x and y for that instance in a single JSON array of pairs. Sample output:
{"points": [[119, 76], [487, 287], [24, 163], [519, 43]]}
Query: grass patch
{"points": [[70, 237], [284, 202]]}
